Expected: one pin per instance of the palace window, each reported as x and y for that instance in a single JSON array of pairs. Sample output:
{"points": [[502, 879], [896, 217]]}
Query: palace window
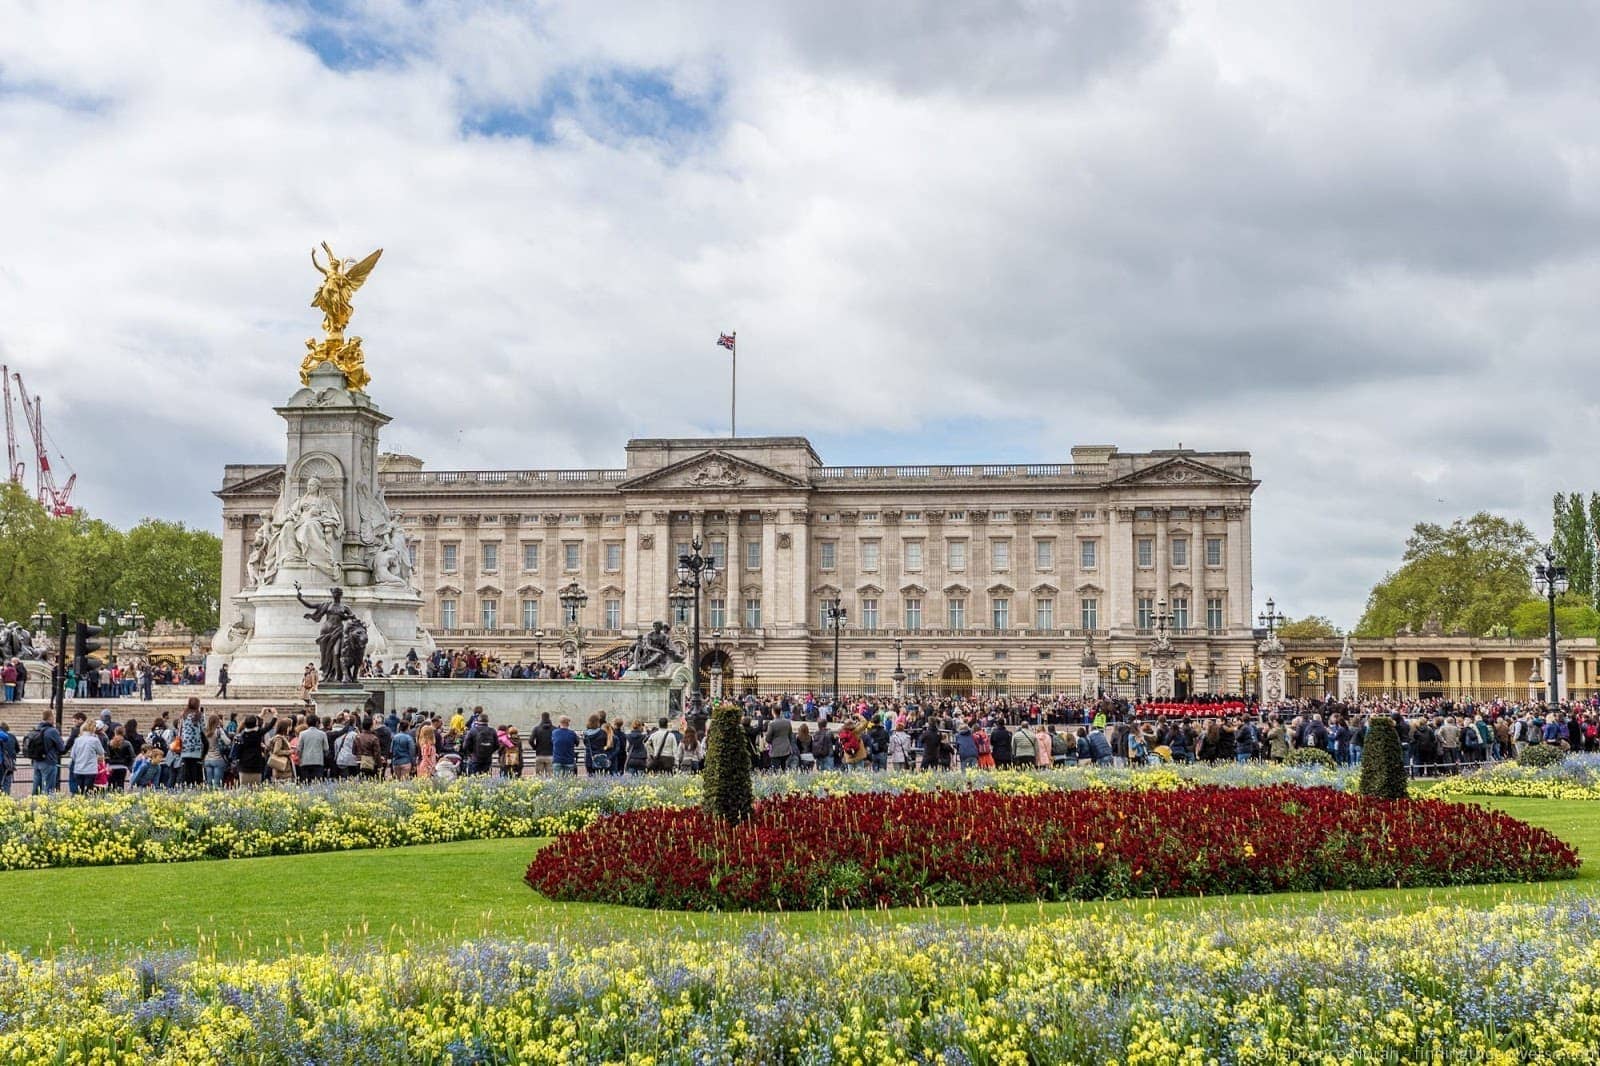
{"points": [[1213, 512], [1145, 547], [911, 516], [955, 516], [826, 553], [1000, 612], [913, 613], [956, 614], [1085, 515], [1213, 551], [999, 516], [411, 553], [1044, 614], [869, 555], [1089, 613], [913, 555], [530, 614], [613, 613], [1043, 516], [682, 613], [491, 557], [869, 614], [489, 611], [1180, 614], [719, 612], [449, 557], [613, 556], [1144, 514], [1145, 620], [1044, 554], [752, 555], [1087, 554], [1180, 514], [1000, 554], [1180, 551], [570, 556], [447, 614], [1214, 614], [719, 552], [530, 558], [752, 612], [956, 555]]}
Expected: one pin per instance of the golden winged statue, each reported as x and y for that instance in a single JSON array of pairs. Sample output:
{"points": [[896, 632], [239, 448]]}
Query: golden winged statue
{"points": [[340, 280]]}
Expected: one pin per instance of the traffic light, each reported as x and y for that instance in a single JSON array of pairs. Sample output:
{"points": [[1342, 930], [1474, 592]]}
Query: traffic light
{"points": [[83, 643]]}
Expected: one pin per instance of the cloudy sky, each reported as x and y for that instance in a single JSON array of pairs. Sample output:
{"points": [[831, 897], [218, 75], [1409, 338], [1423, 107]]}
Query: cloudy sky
{"points": [[1359, 240]]}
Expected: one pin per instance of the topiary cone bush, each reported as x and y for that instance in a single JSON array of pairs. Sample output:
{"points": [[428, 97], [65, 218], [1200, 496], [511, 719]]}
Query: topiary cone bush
{"points": [[1383, 770], [726, 774]]}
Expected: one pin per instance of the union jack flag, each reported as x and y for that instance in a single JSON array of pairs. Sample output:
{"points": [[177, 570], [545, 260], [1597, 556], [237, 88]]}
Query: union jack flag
{"points": [[726, 339]]}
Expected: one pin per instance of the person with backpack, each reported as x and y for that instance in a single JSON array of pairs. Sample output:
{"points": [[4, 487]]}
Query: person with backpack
{"points": [[823, 745], [44, 748], [480, 747], [877, 741], [638, 755]]}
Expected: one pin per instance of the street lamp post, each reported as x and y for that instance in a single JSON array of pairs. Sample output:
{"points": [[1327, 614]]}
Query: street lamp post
{"points": [[836, 615], [1271, 619], [696, 570], [115, 621], [58, 670], [899, 674], [538, 645], [1550, 578], [572, 599]]}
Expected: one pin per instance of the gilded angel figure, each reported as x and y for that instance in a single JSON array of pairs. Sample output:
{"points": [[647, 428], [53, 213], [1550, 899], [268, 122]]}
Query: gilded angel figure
{"points": [[340, 280]]}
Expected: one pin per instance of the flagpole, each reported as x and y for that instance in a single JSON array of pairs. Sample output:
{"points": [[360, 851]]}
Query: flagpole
{"points": [[733, 389]]}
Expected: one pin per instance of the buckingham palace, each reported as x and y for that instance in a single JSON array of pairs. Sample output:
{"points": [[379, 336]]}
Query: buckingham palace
{"points": [[1047, 577]]}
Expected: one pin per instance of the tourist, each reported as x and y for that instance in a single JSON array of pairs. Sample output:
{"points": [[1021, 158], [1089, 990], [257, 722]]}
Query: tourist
{"points": [[662, 748], [214, 743], [87, 758], [403, 751], [933, 757], [368, 751], [481, 745], [222, 681], [824, 745], [282, 763], [510, 753], [618, 739], [781, 750], [9, 750], [637, 756], [966, 747], [312, 747], [1041, 747], [539, 741], [563, 747], [1101, 752], [1022, 748], [691, 750], [427, 748], [44, 748], [8, 675], [249, 749], [190, 744]]}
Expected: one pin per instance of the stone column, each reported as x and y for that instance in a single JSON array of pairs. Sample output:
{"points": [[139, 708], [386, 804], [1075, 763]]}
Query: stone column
{"points": [[1117, 568], [1163, 557], [1510, 676], [800, 567]]}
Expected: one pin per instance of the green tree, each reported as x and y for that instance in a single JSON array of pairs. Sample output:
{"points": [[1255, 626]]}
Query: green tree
{"points": [[33, 554], [173, 572], [1572, 540], [726, 774], [1575, 617], [1469, 576], [1311, 627]]}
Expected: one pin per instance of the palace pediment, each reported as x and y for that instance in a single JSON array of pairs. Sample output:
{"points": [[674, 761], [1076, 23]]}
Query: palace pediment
{"points": [[1181, 471], [712, 471], [268, 483]]}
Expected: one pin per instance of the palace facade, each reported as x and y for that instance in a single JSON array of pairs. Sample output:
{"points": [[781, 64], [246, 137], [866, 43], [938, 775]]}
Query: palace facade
{"points": [[993, 578]]}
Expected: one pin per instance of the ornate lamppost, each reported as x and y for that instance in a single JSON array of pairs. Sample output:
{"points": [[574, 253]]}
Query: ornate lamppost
{"points": [[538, 645], [1270, 619], [836, 615], [899, 674], [572, 599], [115, 621], [1550, 578], [696, 570]]}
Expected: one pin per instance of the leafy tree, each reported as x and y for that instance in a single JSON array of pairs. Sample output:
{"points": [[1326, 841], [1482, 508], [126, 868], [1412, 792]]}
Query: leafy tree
{"points": [[1383, 772], [1572, 540], [1311, 627], [33, 554], [726, 774], [173, 572], [1575, 617], [1469, 576]]}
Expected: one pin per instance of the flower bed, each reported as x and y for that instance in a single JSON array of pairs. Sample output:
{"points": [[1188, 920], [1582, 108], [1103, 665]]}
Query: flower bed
{"points": [[1498, 986], [159, 826], [1575, 778], [877, 850]]}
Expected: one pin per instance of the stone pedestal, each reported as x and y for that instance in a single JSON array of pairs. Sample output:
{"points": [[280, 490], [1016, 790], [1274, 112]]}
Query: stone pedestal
{"points": [[1273, 660], [333, 700]]}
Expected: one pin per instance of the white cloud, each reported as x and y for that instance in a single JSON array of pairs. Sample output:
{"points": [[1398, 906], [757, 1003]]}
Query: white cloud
{"points": [[1359, 241]]}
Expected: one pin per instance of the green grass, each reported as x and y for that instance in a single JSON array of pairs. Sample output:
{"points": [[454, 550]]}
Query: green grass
{"points": [[420, 897]]}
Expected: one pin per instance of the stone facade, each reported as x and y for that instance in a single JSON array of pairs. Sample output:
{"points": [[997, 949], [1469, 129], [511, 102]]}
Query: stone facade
{"points": [[1457, 667], [990, 577]]}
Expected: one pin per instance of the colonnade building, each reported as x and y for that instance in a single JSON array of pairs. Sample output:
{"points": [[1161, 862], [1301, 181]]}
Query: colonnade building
{"points": [[979, 577]]}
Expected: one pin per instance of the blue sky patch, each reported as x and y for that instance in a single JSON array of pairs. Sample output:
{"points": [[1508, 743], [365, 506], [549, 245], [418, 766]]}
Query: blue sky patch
{"points": [[615, 105]]}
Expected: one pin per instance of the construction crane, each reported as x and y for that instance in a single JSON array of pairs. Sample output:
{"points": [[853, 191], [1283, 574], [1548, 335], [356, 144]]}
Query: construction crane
{"points": [[56, 500], [13, 464]]}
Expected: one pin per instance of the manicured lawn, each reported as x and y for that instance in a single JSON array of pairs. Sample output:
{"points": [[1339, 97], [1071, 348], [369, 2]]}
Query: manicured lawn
{"points": [[448, 892]]}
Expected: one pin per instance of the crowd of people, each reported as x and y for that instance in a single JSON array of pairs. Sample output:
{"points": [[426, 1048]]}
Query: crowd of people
{"points": [[197, 748]]}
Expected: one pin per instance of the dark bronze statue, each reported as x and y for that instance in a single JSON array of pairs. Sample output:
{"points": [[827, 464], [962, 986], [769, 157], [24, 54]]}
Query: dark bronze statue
{"points": [[334, 616], [653, 651]]}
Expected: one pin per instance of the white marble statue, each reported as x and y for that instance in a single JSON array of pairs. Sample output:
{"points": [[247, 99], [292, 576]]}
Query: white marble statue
{"points": [[310, 532], [384, 539], [263, 560]]}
